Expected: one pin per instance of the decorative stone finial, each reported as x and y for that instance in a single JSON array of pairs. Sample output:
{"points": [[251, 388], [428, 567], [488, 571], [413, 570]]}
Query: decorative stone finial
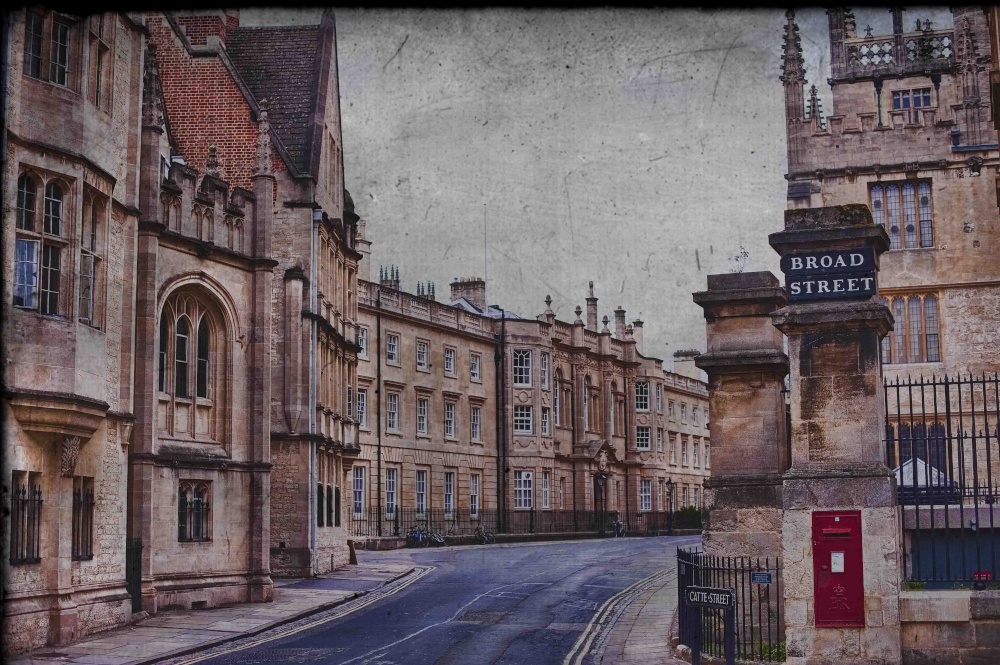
{"points": [[262, 155], [579, 311], [793, 66], [548, 304], [605, 321], [212, 163]]}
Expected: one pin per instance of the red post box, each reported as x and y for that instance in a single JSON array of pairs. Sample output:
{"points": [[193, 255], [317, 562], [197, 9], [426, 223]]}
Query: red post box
{"points": [[839, 590]]}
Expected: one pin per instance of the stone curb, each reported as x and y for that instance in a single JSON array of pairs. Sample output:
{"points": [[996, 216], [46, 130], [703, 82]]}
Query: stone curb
{"points": [[184, 651]]}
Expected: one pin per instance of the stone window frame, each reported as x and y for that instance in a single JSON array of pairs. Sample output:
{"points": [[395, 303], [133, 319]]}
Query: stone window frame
{"points": [[50, 229], [695, 453], [393, 352], [358, 490], [362, 341], [25, 521], [684, 413], [475, 490], [50, 59], [450, 353], [543, 369], [911, 310], [645, 495], [421, 491], [82, 533], [921, 200], [912, 110], [642, 396], [671, 413], [708, 455], [425, 365], [362, 407], [523, 489], [392, 412], [557, 388], [451, 435], [101, 31], [659, 398], [475, 367], [423, 408], [685, 440], [208, 363], [546, 490], [672, 441], [476, 423], [392, 474], [642, 437], [659, 439], [93, 243], [521, 368], [545, 421], [194, 493], [448, 492], [523, 423]]}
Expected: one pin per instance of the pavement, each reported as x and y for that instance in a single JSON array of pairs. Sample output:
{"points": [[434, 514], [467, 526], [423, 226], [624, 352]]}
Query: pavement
{"points": [[579, 603], [173, 633]]}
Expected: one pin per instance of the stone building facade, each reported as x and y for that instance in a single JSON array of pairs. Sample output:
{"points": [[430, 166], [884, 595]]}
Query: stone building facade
{"points": [[428, 407], [180, 328], [911, 136], [71, 195], [219, 82]]}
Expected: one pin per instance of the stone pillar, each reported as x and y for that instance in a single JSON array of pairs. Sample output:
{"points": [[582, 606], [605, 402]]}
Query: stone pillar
{"points": [[837, 461], [746, 369]]}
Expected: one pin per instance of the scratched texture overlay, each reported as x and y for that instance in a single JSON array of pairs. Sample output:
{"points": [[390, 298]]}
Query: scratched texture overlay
{"points": [[639, 149]]}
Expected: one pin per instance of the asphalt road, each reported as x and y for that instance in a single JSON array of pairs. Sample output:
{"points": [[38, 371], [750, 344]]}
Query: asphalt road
{"points": [[517, 603]]}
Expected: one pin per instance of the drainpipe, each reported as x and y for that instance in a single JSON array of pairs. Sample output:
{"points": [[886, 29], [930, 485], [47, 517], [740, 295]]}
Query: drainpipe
{"points": [[317, 217], [572, 450], [378, 407], [499, 361]]}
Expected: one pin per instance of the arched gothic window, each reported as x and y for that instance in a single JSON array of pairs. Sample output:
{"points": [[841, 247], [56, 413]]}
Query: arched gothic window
{"points": [[194, 517], [191, 351]]}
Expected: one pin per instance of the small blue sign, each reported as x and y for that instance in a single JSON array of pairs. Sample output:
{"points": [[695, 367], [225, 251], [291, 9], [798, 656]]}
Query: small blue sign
{"points": [[761, 578]]}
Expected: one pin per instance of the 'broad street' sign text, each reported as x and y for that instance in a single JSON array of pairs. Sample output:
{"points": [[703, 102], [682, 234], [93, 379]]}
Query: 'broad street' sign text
{"points": [[848, 273]]}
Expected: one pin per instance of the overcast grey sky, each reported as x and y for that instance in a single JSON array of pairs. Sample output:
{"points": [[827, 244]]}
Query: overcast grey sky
{"points": [[639, 149]]}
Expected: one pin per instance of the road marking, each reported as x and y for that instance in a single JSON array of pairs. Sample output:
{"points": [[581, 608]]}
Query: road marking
{"points": [[373, 597], [583, 643]]}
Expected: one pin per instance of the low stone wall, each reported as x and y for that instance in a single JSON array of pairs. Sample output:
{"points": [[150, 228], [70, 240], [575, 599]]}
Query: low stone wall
{"points": [[950, 627]]}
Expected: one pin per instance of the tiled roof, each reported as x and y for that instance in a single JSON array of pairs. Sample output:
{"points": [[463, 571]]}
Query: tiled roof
{"points": [[279, 65]]}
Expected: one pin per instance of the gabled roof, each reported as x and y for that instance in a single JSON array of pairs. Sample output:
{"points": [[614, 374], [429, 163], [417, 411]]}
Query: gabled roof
{"points": [[280, 65]]}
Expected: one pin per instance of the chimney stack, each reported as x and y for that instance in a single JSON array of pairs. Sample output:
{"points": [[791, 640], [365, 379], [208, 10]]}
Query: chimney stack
{"points": [[620, 323], [591, 309], [684, 363], [472, 289], [637, 334], [389, 277]]}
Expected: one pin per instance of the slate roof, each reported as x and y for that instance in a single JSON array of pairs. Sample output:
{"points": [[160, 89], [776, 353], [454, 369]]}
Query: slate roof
{"points": [[279, 65]]}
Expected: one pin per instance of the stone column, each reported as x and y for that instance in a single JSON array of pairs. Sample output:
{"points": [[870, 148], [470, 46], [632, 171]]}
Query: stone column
{"points": [[746, 369], [837, 461]]}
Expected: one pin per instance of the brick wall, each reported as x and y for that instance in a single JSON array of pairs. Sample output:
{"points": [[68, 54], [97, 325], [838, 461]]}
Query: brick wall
{"points": [[205, 107]]}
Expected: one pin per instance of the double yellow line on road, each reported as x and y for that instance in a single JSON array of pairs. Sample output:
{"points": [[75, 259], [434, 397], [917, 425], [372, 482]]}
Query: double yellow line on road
{"points": [[586, 639], [348, 608]]}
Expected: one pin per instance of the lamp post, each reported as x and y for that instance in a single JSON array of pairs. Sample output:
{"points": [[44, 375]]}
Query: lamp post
{"points": [[670, 507]]}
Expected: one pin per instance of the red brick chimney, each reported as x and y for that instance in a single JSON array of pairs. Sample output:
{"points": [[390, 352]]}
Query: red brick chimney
{"points": [[472, 289], [201, 25]]}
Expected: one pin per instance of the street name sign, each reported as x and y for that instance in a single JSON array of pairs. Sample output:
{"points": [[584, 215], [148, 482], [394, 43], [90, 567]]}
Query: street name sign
{"points": [[833, 275], [703, 596]]}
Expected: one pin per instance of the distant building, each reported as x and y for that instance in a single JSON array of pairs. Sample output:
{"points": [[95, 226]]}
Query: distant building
{"points": [[910, 136]]}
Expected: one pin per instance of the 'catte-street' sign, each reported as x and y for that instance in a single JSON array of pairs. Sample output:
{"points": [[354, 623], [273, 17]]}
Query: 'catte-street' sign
{"points": [[704, 596], [847, 273]]}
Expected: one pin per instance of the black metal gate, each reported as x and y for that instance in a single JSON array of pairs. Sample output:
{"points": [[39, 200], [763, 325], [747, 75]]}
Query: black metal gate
{"points": [[133, 571]]}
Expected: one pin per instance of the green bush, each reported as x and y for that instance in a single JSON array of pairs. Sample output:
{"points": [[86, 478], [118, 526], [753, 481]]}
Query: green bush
{"points": [[688, 518], [915, 586]]}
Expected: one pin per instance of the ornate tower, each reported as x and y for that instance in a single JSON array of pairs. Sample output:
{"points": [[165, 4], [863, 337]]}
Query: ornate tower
{"points": [[793, 76]]}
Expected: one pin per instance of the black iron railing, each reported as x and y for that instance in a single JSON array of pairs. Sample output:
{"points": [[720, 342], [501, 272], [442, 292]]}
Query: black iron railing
{"points": [[133, 571], [26, 525], [83, 524], [461, 522], [757, 585], [942, 441]]}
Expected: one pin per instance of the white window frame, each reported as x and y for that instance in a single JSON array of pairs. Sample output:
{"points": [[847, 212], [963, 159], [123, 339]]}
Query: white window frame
{"points": [[696, 458], [423, 405], [522, 367], [642, 437], [645, 495], [545, 421], [659, 398], [362, 396], [423, 354], [556, 402], [545, 490], [642, 396], [523, 419], [475, 367], [684, 451], [659, 495], [684, 412], [659, 439], [391, 491], [358, 491], [449, 420], [543, 368], [672, 440], [474, 495], [363, 342], [420, 492], [523, 496], [392, 412], [708, 456], [449, 493], [476, 427], [392, 348], [449, 361], [670, 410]]}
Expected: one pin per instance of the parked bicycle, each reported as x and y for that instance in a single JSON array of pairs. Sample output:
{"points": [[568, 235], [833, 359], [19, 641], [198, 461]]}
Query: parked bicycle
{"points": [[417, 537], [436, 539], [483, 536]]}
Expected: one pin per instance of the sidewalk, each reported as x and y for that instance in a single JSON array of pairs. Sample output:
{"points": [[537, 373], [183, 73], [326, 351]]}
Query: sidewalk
{"points": [[642, 633], [173, 633]]}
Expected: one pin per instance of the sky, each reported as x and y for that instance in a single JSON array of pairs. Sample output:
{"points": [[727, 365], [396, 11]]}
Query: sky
{"points": [[543, 149]]}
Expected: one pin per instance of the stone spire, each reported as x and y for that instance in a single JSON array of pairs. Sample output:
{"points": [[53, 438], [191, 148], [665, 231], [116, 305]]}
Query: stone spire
{"points": [[793, 68], [262, 154], [152, 92]]}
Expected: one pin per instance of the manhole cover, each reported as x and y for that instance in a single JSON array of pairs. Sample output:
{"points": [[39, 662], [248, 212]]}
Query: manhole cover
{"points": [[482, 617]]}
